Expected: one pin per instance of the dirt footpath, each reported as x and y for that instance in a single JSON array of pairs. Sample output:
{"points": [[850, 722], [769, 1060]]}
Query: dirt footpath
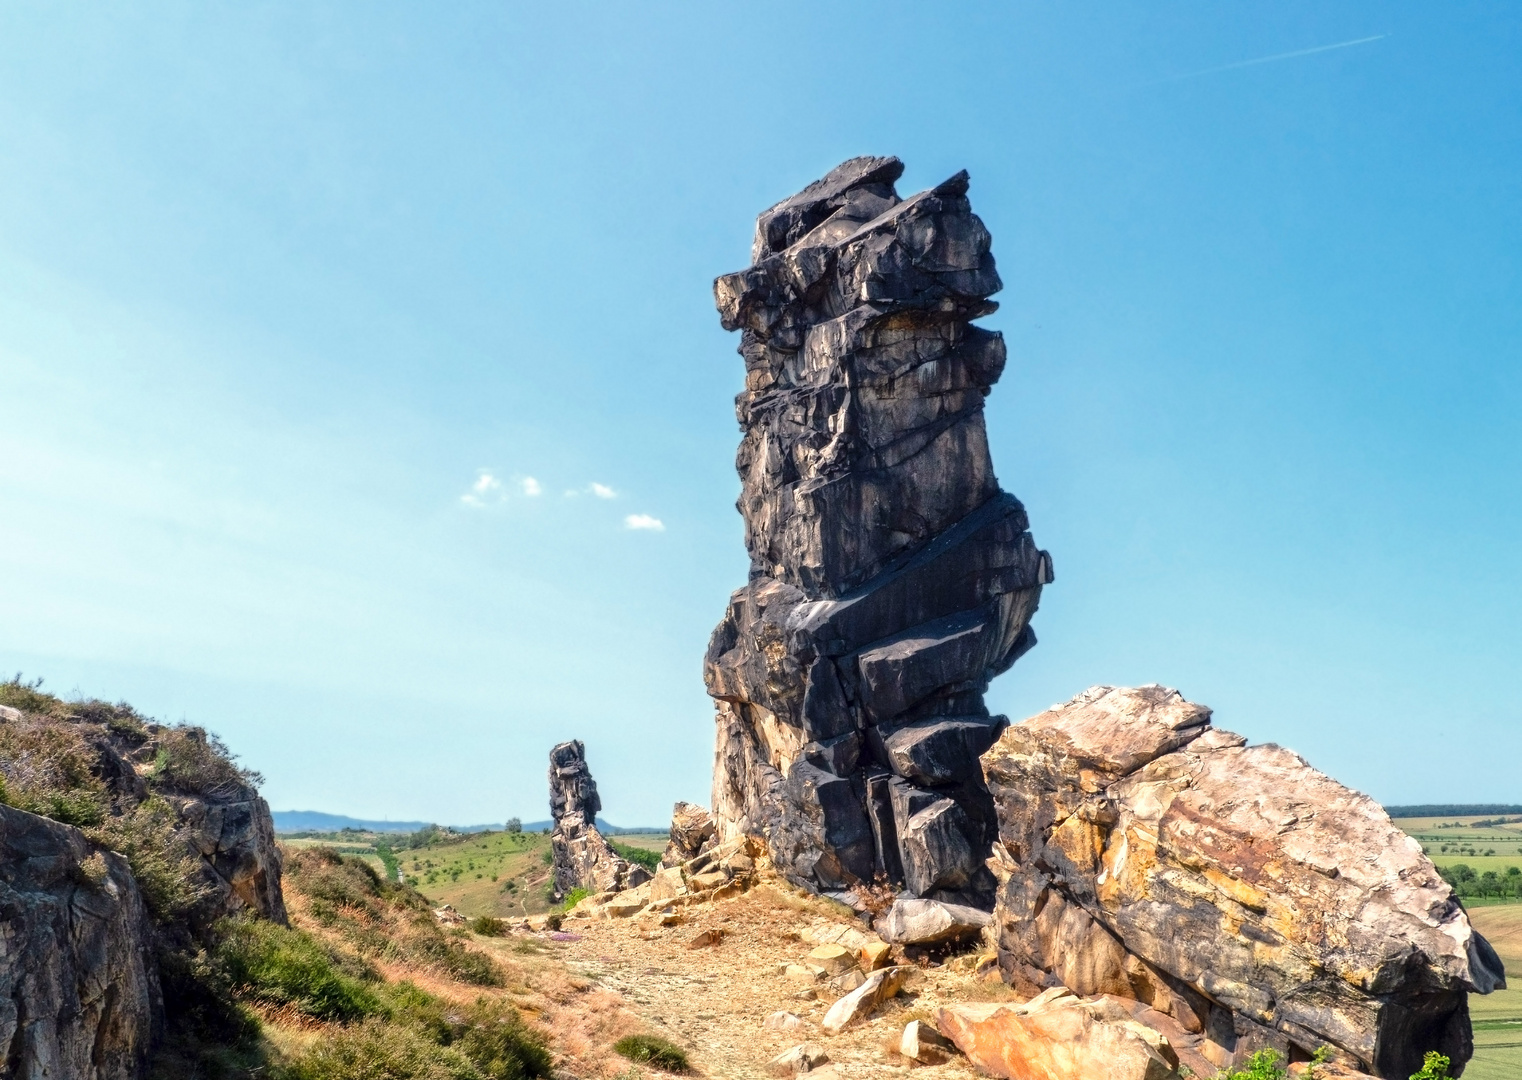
{"points": [[713, 1000]]}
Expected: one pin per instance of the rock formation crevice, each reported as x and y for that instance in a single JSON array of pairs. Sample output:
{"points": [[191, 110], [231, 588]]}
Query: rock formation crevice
{"points": [[891, 579]]}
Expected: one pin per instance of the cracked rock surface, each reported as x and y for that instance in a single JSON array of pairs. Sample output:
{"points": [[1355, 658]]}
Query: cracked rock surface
{"points": [[891, 579]]}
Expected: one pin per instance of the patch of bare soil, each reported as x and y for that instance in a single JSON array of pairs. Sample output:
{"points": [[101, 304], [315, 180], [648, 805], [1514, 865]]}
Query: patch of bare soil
{"points": [[628, 975]]}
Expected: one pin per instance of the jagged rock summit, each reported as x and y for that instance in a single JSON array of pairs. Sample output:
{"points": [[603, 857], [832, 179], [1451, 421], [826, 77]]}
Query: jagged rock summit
{"points": [[890, 578], [582, 858]]}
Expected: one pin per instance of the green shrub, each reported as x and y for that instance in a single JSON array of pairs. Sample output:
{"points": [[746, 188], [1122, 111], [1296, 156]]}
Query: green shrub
{"points": [[48, 767], [170, 877], [574, 897], [425, 1037], [657, 1052], [28, 696], [1434, 1067], [192, 760], [487, 926], [279, 966], [650, 860], [376, 1050], [432, 947], [1263, 1065], [323, 874]]}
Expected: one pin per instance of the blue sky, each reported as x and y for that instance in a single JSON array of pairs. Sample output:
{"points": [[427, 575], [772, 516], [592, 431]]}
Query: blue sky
{"points": [[279, 285]]}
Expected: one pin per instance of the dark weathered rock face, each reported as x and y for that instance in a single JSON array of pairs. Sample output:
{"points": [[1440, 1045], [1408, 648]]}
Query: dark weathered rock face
{"points": [[583, 859], [79, 988], [890, 578], [1144, 853]]}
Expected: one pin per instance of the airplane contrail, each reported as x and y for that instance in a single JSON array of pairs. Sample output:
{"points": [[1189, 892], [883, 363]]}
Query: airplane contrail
{"points": [[1276, 56]]}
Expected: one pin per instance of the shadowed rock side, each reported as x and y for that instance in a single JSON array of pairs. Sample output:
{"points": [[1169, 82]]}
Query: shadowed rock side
{"points": [[890, 577], [79, 987], [1256, 901], [583, 859]]}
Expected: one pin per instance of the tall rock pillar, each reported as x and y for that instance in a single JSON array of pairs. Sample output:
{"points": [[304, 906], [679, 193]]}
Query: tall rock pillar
{"points": [[582, 858], [891, 579]]}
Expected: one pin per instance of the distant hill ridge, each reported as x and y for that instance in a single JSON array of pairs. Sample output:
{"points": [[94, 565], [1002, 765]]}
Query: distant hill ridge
{"points": [[1446, 810], [291, 821]]}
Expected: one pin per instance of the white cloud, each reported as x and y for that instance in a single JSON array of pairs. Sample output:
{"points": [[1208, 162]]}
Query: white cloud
{"points": [[486, 488], [531, 486], [644, 521], [602, 491]]}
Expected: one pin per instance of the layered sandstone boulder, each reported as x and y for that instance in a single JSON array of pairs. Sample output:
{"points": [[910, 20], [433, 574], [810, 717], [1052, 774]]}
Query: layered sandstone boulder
{"points": [[582, 858], [890, 577], [1253, 900], [79, 986]]}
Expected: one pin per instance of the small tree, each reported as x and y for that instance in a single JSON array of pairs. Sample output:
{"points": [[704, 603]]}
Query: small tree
{"points": [[514, 825]]}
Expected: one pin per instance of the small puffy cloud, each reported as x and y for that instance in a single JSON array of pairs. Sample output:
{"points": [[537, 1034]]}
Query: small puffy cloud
{"points": [[644, 522], [487, 488], [602, 491], [530, 486]]}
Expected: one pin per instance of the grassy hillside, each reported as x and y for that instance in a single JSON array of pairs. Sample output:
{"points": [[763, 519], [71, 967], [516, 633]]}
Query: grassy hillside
{"points": [[494, 873]]}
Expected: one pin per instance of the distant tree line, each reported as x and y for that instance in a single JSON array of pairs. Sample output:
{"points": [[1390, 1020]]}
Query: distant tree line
{"points": [[1490, 883], [1452, 809]]}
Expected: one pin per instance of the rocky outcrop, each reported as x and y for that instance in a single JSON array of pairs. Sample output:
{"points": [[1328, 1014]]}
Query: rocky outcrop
{"points": [[583, 859], [79, 988], [143, 776], [1253, 900], [890, 577], [693, 832]]}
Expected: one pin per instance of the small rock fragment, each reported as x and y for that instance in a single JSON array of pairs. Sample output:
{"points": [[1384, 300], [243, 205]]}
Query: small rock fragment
{"points": [[926, 922], [859, 1003], [712, 880], [706, 939], [847, 981], [921, 1042], [834, 959], [667, 885], [806, 1057], [782, 1020], [874, 955]]}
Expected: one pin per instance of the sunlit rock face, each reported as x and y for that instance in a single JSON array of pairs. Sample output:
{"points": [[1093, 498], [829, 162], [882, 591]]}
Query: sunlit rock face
{"points": [[1145, 853], [890, 578]]}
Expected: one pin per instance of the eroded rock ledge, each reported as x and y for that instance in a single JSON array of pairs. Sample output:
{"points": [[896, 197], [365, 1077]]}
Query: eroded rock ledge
{"points": [[1257, 902], [890, 578]]}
